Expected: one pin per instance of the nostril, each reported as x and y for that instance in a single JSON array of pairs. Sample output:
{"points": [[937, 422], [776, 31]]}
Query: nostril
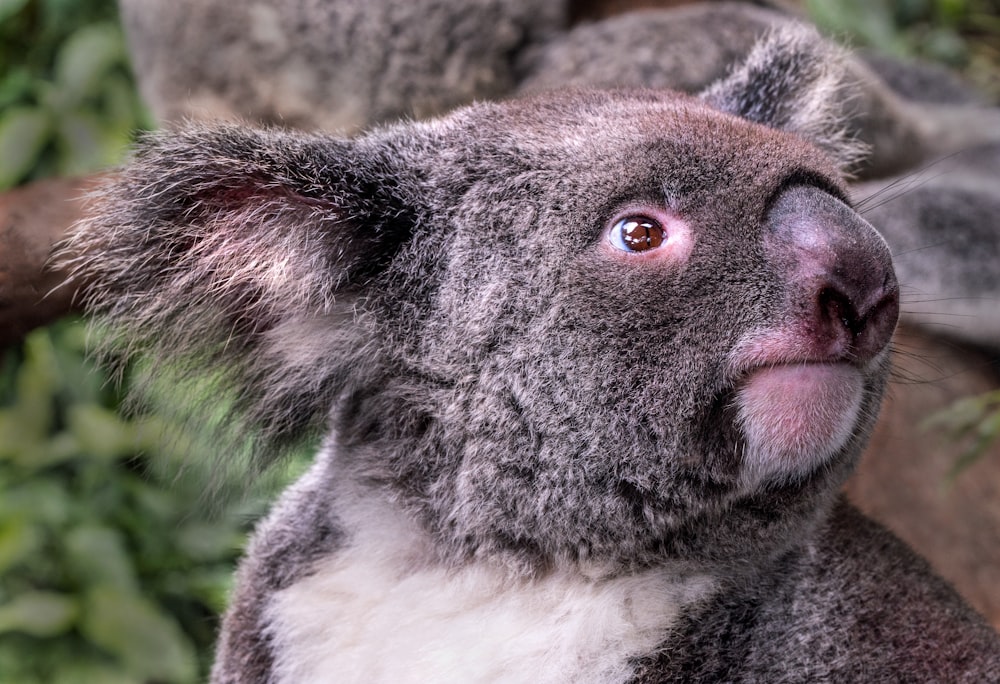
{"points": [[867, 321], [838, 308], [841, 285], [877, 324]]}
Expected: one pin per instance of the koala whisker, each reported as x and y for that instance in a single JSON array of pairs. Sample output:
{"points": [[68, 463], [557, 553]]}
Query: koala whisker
{"points": [[930, 246]]}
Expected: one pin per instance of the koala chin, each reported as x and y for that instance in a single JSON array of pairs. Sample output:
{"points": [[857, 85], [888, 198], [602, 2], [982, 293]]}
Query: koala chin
{"points": [[795, 417], [590, 368]]}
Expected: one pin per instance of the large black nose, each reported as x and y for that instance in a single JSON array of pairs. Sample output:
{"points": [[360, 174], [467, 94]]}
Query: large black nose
{"points": [[839, 280]]}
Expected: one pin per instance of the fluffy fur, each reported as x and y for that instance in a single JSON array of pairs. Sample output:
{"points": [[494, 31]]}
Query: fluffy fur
{"points": [[347, 64], [403, 617], [343, 65], [327, 62], [521, 416]]}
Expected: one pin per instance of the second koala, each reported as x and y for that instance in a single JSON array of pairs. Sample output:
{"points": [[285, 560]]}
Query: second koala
{"points": [[590, 369]]}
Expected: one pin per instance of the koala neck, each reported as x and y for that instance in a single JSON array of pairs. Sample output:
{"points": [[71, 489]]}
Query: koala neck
{"points": [[379, 522], [386, 607], [744, 530]]}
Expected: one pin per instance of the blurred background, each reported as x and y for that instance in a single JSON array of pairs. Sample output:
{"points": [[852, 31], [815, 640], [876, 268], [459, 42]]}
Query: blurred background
{"points": [[118, 534]]}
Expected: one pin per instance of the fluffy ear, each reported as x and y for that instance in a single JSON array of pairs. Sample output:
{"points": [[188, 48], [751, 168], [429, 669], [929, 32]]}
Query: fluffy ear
{"points": [[796, 81], [215, 251]]}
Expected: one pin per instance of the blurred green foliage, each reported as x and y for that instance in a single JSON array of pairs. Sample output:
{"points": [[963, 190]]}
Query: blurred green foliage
{"points": [[110, 569], [973, 422], [113, 564], [67, 101], [963, 34]]}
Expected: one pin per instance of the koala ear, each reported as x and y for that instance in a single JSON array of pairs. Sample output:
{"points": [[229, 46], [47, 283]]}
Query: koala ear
{"points": [[214, 252], [795, 80]]}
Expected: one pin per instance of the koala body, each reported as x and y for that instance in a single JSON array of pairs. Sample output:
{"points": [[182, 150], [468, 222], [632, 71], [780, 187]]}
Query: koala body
{"points": [[315, 63], [591, 367], [404, 616], [346, 64]]}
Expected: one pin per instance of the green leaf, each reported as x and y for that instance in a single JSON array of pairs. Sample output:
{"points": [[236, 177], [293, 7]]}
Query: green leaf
{"points": [[9, 8], [18, 540], [987, 431], [16, 88], [212, 587], [148, 642], [83, 383], [13, 437], [208, 541], [45, 501], [23, 134], [86, 143], [37, 385], [974, 419], [79, 671], [39, 613], [959, 418], [86, 57], [951, 10], [122, 109], [869, 22], [97, 555], [100, 432], [44, 454]]}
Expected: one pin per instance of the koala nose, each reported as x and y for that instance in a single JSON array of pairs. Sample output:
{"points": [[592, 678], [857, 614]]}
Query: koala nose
{"points": [[841, 289]]}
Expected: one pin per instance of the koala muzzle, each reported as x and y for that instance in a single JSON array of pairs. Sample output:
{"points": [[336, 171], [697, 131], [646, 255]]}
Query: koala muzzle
{"points": [[840, 285], [802, 381]]}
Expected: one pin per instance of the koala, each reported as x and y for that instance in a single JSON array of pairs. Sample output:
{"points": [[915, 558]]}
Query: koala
{"points": [[588, 368]]}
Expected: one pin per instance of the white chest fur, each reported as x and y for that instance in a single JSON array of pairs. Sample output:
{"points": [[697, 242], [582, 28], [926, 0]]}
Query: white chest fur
{"points": [[368, 615]]}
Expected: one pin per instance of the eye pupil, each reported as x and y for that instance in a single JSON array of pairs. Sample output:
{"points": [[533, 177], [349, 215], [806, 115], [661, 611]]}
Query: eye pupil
{"points": [[640, 233]]}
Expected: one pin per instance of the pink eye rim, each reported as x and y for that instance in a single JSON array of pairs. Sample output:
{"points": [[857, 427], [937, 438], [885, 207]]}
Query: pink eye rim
{"points": [[637, 233]]}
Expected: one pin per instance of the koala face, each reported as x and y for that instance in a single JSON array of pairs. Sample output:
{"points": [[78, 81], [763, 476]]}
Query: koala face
{"points": [[631, 333], [618, 325]]}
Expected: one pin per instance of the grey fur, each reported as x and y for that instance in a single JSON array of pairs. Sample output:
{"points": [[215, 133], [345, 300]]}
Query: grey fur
{"points": [[343, 65], [440, 300], [808, 620], [314, 63], [693, 46]]}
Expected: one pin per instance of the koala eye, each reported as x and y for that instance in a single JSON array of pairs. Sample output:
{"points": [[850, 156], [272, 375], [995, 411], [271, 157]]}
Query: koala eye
{"points": [[637, 234]]}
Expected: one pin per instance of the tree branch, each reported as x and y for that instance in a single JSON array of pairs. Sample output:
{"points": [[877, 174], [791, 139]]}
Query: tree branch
{"points": [[33, 219]]}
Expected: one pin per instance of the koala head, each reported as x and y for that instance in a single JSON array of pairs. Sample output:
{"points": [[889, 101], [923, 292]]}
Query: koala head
{"points": [[613, 325]]}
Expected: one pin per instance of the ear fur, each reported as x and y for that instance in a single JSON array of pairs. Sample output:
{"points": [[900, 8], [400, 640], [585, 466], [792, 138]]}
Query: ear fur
{"points": [[217, 250], [796, 81]]}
